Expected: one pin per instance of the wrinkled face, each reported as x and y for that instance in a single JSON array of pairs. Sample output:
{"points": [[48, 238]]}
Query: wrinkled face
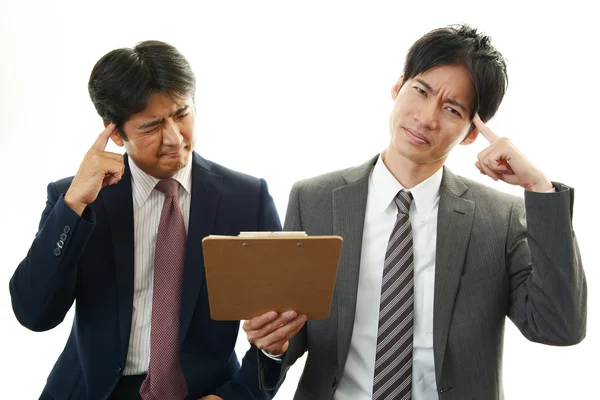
{"points": [[160, 138], [431, 114]]}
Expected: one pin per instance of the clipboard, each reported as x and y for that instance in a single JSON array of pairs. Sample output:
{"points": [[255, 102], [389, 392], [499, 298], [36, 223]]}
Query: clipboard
{"points": [[247, 276]]}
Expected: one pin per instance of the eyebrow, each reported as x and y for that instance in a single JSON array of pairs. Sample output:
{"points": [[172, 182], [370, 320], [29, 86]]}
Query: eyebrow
{"points": [[457, 104], [427, 85], [451, 101], [155, 122]]}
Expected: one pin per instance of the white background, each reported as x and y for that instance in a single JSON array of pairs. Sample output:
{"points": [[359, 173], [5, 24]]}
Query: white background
{"points": [[288, 90]]}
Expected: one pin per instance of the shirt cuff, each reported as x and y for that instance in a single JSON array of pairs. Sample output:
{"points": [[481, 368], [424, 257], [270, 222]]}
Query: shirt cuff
{"points": [[276, 357]]}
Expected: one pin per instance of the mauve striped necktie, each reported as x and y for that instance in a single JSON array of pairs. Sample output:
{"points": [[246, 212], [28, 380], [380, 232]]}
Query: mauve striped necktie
{"points": [[393, 361], [165, 380]]}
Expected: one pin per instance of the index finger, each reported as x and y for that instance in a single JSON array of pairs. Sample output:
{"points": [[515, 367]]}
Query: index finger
{"points": [[102, 141], [260, 321], [484, 130]]}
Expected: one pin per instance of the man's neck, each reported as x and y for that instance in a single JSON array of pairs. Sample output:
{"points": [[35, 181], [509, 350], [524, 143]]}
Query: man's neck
{"points": [[407, 172]]}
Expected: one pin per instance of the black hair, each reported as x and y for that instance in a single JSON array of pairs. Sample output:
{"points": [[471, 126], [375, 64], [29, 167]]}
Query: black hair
{"points": [[463, 45], [123, 80]]}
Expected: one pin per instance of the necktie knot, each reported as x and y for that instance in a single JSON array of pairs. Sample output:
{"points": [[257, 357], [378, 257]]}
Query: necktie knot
{"points": [[170, 187], [403, 200]]}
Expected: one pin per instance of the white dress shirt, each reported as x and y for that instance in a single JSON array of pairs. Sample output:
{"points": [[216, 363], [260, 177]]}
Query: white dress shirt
{"points": [[381, 211], [147, 207]]}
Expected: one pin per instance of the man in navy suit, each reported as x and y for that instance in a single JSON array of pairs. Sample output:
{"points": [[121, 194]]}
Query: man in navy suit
{"points": [[97, 238]]}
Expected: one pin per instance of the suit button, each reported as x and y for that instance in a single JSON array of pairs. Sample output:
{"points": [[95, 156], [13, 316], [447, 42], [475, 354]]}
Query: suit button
{"points": [[63, 236], [119, 370], [66, 229], [57, 252], [60, 244]]}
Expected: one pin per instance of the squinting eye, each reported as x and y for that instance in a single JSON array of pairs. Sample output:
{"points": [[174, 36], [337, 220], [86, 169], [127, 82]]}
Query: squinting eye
{"points": [[152, 130], [453, 111], [182, 116], [421, 91]]}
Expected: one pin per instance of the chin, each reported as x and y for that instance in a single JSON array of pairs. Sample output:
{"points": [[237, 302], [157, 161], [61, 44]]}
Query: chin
{"points": [[418, 157], [176, 166]]}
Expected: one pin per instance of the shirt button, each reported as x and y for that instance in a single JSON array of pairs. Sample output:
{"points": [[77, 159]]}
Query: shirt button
{"points": [[66, 229], [57, 252]]}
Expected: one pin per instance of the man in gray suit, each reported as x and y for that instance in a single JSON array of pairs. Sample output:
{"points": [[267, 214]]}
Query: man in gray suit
{"points": [[432, 262]]}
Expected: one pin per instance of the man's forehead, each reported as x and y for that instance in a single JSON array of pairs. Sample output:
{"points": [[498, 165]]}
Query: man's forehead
{"points": [[157, 109], [159, 105]]}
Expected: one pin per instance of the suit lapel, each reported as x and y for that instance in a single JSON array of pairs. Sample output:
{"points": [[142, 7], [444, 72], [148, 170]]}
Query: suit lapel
{"points": [[206, 187], [118, 202], [349, 207], [455, 218]]}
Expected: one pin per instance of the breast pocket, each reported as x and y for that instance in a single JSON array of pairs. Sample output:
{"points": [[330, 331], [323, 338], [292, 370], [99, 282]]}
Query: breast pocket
{"points": [[481, 273], [482, 294]]}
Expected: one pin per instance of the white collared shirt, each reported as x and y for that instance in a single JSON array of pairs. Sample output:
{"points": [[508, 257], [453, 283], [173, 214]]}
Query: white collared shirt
{"points": [[147, 207], [381, 211]]}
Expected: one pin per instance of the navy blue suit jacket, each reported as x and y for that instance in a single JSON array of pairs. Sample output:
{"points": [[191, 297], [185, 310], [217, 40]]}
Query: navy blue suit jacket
{"points": [[94, 268]]}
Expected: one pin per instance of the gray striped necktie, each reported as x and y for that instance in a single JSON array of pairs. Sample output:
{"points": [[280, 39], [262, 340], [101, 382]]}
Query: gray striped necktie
{"points": [[393, 361]]}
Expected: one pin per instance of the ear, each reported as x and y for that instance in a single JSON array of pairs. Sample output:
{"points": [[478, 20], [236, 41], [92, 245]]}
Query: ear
{"points": [[397, 86], [471, 136], [115, 137]]}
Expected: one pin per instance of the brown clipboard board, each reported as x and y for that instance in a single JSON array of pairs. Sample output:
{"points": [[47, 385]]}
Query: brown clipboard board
{"points": [[249, 276]]}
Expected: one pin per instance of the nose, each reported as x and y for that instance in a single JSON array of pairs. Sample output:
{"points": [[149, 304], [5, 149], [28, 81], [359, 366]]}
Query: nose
{"points": [[171, 135], [427, 115]]}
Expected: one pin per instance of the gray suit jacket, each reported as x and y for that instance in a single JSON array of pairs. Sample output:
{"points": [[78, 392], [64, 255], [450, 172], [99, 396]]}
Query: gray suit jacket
{"points": [[496, 256]]}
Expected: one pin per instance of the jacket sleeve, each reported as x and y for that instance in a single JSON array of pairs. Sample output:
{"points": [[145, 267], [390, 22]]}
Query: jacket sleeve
{"points": [[548, 290], [43, 286]]}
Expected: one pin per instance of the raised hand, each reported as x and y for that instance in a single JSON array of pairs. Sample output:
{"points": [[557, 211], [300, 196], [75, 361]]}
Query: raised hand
{"points": [[502, 160], [99, 168]]}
